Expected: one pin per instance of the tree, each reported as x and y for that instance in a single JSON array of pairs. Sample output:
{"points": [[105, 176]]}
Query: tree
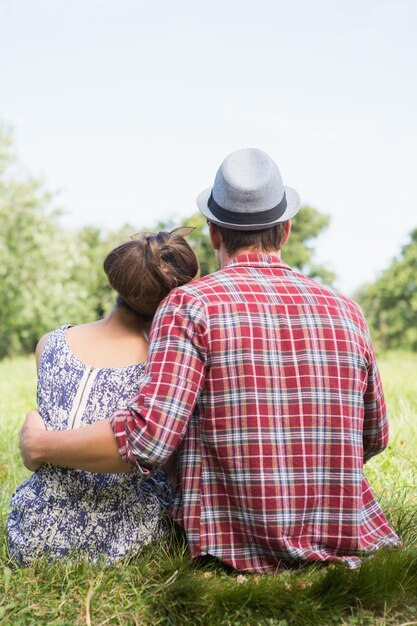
{"points": [[297, 252], [31, 250], [390, 303], [88, 274], [48, 275]]}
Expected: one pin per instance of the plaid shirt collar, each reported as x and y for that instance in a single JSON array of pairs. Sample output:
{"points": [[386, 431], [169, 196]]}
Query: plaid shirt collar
{"points": [[258, 259]]}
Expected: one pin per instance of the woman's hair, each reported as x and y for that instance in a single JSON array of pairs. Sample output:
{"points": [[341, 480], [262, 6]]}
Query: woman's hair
{"points": [[143, 271]]}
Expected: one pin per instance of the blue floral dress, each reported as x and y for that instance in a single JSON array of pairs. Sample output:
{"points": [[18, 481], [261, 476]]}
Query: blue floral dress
{"points": [[60, 511]]}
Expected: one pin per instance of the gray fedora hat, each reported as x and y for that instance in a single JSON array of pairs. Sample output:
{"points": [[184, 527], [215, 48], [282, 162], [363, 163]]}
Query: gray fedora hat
{"points": [[248, 193]]}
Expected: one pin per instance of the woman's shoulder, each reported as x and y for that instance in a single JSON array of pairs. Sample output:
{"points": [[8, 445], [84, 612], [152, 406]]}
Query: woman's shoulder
{"points": [[40, 347], [83, 347], [108, 346], [48, 339]]}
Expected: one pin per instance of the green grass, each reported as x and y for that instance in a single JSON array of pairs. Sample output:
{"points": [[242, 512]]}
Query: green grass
{"points": [[163, 586]]}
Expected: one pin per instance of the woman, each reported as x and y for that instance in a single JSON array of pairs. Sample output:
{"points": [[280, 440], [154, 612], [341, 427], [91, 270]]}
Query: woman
{"points": [[85, 373]]}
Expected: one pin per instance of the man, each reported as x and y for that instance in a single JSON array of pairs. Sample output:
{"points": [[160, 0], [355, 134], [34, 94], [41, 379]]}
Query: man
{"points": [[266, 385]]}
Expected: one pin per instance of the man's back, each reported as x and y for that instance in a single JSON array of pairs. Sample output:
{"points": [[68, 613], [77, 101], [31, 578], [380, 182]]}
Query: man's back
{"points": [[288, 402]]}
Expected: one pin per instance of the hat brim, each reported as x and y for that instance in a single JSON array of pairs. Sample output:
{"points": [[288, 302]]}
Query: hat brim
{"points": [[293, 205]]}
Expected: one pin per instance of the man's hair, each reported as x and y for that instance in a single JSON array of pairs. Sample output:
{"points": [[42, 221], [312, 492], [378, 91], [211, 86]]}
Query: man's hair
{"points": [[144, 271], [266, 240]]}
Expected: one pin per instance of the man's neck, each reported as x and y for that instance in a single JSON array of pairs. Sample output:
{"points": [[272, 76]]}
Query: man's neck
{"points": [[224, 258]]}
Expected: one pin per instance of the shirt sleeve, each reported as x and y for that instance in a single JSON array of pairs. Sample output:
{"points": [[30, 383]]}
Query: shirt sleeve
{"points": [[375, 427], [155, 421]]}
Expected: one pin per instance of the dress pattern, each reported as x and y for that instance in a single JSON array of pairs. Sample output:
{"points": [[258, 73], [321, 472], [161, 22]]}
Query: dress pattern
{"points": [[59, 511]]}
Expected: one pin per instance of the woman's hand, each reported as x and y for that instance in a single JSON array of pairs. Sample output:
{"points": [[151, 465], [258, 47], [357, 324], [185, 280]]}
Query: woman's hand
{"points": [[29, 440]]}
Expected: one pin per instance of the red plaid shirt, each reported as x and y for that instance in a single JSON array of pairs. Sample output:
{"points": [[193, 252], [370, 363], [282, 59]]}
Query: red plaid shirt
{"points": [[266, 384]]}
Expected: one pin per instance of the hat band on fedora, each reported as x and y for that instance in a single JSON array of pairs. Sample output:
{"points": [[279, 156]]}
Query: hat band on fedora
{"points": [[233, 217]]}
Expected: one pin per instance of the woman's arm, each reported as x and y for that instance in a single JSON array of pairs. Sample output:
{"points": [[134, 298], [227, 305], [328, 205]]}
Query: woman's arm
{"points": [[92, 448], [39, 349]]}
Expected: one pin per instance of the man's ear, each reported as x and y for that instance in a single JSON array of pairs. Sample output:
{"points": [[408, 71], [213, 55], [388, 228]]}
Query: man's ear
{"points": [[286, 233], [215, 236]]}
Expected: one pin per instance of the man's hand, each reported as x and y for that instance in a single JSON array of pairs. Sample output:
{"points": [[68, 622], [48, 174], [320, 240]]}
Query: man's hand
{"points": [[92, 448], [29, 439]]}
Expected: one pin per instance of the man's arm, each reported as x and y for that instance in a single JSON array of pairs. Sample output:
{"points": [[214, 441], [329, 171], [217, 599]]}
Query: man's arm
{"points": [[375, 425], [92, 448], [156, 420]]}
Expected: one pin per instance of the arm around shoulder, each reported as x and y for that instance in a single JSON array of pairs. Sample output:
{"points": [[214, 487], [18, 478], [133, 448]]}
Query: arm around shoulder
{"points": [[92, 448]]}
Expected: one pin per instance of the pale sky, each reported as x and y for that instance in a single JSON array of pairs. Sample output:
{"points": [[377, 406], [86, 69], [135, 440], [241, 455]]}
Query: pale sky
{"points": [[128, 107]]}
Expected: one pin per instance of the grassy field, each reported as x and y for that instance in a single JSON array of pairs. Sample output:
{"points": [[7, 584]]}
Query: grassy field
{"points": [[162, 586]]}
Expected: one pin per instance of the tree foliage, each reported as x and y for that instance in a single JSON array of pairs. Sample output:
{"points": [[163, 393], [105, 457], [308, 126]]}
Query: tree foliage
{"points": [[298, 252], [31, 254], [48, 275], [390, 303]]}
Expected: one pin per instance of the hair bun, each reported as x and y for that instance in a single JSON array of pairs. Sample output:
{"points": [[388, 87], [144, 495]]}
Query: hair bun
{"points": [[143, 271]]}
